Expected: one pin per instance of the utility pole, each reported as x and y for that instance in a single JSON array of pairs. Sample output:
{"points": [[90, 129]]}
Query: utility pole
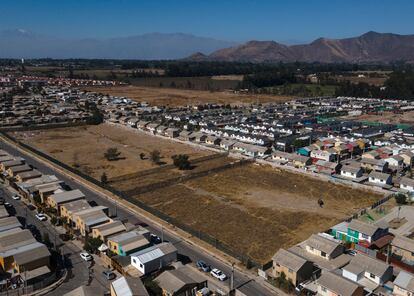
{"points": [[232, 278]]}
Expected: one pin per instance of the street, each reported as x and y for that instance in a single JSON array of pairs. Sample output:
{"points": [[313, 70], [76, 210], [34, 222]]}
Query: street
{"points": [[80, 272]]}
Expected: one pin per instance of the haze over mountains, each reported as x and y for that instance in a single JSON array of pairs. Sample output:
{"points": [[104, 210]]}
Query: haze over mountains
{"points": [[25, 44], [371, 47]]}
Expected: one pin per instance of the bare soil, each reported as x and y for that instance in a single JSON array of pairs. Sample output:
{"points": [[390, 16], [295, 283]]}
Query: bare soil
{"points": [[179, 97]]}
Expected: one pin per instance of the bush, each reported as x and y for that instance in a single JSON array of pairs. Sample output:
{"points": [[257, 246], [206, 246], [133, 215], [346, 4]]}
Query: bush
{"points": [[181, 161], [112, 154], [92, 244], [104, 178], [401, 198], [155, 156]]}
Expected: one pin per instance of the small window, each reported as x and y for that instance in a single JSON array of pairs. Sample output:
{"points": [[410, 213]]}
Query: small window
{"points": [[311, 248], [290, 270], [140, 265], [323, 254], [135, 261], [371, 275]]}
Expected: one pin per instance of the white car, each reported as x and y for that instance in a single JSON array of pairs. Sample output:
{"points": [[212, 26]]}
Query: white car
{"points": [[86, 256], [41, 217], [218, 274], [16, 197]]}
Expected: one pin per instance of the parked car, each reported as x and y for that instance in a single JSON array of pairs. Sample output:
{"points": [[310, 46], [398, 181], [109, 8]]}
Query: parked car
{"points": [[16, 197], [109, 275], [86, 256], [7, 204], [31, 207], [218, 274], [41, 217], [352, 252], [203, 266], [155, 239]]}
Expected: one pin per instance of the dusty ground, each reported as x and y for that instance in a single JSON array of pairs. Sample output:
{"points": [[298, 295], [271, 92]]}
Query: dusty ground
{"points": [[388, 117], [255, 209], [84, 148], [179, 97]]}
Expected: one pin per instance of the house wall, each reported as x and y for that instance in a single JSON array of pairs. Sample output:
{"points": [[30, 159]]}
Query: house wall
{"points": [[406, 255], [352, 276], [36, 263], [290, 274], [398, 291], [406, 187]]}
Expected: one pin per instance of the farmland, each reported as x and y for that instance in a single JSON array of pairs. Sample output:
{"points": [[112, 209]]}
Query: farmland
{"points": [[83, 148], [179, 97]]}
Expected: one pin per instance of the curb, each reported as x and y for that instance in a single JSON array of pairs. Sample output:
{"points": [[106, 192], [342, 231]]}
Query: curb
{"points": [[136, 210]]}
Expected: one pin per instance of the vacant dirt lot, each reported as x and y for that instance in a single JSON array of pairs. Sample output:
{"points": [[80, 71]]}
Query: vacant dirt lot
{"points": [[84, 148], [388, 117], [255, 209], [178, 97]]}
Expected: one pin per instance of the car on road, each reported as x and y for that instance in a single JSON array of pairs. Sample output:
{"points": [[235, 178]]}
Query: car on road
{"points": [[16, 197], [109, 275], [86, 256], [203, 266], [155, 239], [218, 274], [41, 217], [352, 252], [7, 205]]}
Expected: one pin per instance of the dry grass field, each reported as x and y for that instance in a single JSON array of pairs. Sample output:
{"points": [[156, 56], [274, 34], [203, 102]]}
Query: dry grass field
{"points": [[388, 117], [84, 148], [257, 210], [254, 209], [180, 97]]}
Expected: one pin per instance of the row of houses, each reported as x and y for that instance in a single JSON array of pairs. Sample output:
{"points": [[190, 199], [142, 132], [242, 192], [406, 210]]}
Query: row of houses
{"points": [[354, 258]]}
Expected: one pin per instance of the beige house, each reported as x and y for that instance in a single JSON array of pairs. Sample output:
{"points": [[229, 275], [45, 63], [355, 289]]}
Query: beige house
{"points": [[57, 199], [324, 247], [403, 247], [330, 284], [24, 176], [296, 268], [128, 286], [67, 210], [86, 219], [404, 284], [103, 231]]}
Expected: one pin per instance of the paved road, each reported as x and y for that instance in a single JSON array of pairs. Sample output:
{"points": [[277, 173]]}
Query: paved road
{"points": [[78, 273], [191, 252]]}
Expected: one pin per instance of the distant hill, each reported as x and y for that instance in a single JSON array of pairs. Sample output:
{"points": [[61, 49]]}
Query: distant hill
{"points": [[25, 44], [371, 47]]}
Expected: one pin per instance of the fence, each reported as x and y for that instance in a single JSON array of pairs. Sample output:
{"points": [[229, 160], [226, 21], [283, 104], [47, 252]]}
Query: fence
{"points": [[164, 167], [43, 126], [180, 179], [127, 196], [34, 287]]}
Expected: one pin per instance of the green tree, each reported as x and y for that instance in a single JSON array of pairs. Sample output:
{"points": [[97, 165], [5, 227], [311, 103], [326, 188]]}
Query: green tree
{"points": [[401, 198], [112, 154], [92, 244], [104, 178], [181, 161], [155, 156], [54, 220]]}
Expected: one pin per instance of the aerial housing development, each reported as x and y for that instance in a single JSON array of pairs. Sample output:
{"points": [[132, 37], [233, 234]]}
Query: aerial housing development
{"points": [[211, 148]]}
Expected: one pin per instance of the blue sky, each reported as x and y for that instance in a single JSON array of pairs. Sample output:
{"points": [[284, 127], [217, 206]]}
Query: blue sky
{"points": [[236, 20]]}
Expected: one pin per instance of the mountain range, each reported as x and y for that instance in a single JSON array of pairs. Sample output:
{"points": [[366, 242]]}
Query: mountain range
{"points": [[371, 47], [157, 46]]}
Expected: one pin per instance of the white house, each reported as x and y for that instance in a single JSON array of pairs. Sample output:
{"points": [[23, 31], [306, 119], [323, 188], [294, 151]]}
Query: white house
{"points": [[363, 267], [380, 178], [407, 184], [154, 258], [352, 172]]}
